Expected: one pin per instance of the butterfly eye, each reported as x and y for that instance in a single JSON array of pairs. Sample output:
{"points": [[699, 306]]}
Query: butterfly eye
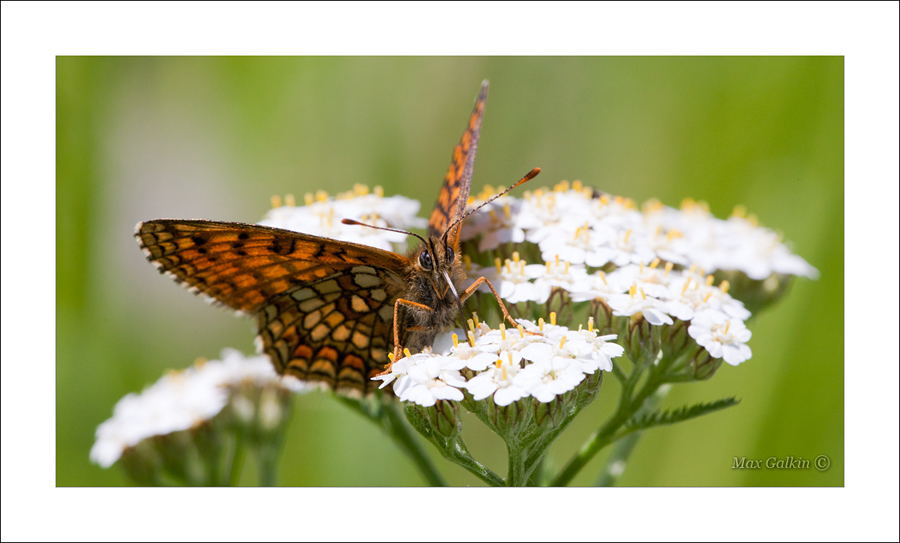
{"points": [[451, 254], [425, 261]]}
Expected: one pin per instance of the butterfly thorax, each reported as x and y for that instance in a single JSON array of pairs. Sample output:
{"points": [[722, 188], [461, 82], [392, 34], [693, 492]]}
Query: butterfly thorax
{"points": [[431, 264]]}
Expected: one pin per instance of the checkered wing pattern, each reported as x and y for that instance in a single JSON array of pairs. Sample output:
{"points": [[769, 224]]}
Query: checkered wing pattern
{"points": [[451, 202], [324, 307]]}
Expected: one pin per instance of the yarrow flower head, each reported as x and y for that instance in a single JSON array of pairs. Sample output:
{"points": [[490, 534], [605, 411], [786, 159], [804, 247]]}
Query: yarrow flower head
{"points": [[559, 359], [656, 265], [723, 337], [582, 226], [182, 400], [322, 214]]}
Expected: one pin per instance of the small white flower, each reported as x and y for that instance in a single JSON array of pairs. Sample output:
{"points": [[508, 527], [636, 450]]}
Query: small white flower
{"points": [[545, 379], [722, 337], [476, 358], [178, 401], [601, 286], [322, 217], [512, 281], [429, 380], [571, 278], [690, 293], [615, 212], [653, 280], [601, 351], [626, 305], [496, 223], [585, 244], [426, 377], [629, 247], [499, 382], [398, 369], [549, 212]]}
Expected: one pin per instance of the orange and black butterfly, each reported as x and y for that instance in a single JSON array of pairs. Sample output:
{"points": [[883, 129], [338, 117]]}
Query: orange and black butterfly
{"points": [[330, 311]]}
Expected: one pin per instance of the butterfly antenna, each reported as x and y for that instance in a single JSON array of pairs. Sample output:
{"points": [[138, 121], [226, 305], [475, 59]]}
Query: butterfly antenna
{"points": [[528, 177], [357, 223]]}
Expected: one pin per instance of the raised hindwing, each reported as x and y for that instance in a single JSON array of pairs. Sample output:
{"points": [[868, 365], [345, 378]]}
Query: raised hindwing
{"points": [[451, 201]]}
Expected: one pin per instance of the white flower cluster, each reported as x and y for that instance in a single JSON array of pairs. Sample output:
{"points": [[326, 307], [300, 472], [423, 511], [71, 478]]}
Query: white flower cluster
{"points": [[575, 231], [570, 224], [178, 401], [507, 364], [322, 215], [658, 294]]}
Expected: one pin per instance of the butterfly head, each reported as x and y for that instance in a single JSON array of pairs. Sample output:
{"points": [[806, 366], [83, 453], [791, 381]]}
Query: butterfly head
{"points": [[440, 263], [435, 265]]}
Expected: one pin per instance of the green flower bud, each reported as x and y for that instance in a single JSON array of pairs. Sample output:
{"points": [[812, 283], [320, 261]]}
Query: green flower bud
{"points": [[446, 419], [703, 366], [440, 419], [550, 413], [509, 420], [755, 294]]}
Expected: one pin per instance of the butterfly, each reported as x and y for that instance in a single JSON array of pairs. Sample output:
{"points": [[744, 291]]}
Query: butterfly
{"points": [[330, 311]]}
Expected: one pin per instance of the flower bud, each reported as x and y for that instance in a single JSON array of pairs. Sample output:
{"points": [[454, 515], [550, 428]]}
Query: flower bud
{"points": [[756, 294], [142, 463], [703, 366], [676, 340], [550, 413], [440, 419], [509, 419], [273, 408], [639, 342], [603, 317], [244, 408]]}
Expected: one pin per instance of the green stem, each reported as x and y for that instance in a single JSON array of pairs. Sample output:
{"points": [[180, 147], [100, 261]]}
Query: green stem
{"points": [[537, 444], [516, 474], [456, 452], [451, 448], [614, 466], [404, 439], [385, 414], [235, 461], [538, 475], [628, 406], [267, 453]]}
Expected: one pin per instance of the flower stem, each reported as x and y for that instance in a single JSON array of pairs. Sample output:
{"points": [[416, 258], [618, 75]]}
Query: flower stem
{"points": [[385, 414], [615, 464], [404, 439], [458, 453], [234, 462], [451, 448], [267, 455], [628, 406], [516, 474], [538, 444]]}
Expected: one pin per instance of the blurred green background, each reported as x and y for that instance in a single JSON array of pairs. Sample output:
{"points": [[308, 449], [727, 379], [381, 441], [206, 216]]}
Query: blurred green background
{"points": [[214, 138]]}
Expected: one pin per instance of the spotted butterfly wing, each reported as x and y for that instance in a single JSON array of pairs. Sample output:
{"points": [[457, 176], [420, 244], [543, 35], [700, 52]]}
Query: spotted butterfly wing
{"points": [[324, 307], [451, 202]]}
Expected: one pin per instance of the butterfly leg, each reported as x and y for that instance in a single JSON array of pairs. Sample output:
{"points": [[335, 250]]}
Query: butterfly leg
{"points": [[398, 348], [478, 282]]}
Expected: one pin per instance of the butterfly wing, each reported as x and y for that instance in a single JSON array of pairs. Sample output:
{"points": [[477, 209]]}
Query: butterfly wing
{"points": [[451, 202], [324, 307]]}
